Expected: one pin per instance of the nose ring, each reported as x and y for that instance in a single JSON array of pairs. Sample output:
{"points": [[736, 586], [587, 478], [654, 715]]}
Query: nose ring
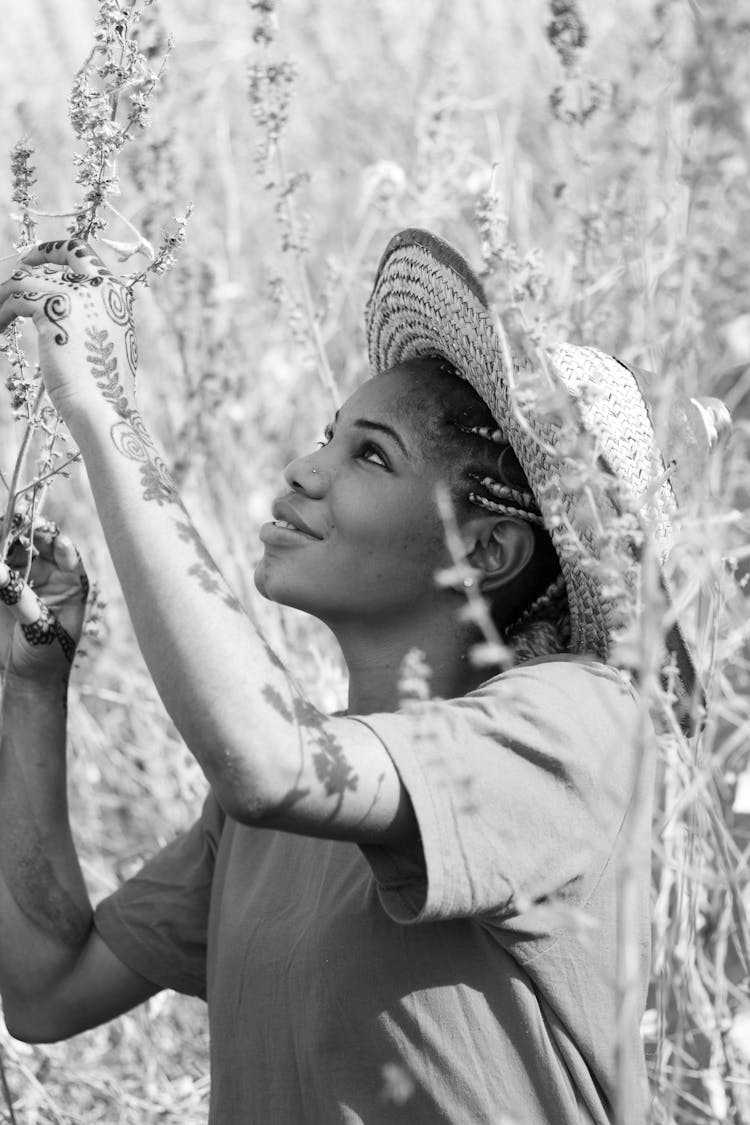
{"points": [[315, 470]]}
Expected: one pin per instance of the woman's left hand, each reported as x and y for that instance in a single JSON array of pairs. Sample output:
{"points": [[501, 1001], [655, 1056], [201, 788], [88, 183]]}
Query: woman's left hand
{"points": [[41, 620], [83, 314]]}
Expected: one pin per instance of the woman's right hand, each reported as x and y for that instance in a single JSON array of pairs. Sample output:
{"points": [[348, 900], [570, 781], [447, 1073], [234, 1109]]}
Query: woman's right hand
{"points": [[41, 620]]}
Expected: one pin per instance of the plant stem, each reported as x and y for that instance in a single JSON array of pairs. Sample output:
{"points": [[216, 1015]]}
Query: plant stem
{"points": [[6, 1090], [636, 828], [324, 368], [17, 470]]}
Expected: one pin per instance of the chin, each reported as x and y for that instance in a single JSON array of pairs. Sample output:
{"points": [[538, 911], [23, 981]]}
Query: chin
{"points": [[272, 587], [263, 581]]}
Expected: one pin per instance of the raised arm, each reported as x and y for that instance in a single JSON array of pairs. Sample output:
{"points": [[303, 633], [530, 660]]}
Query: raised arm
{"points": [[56, 975], [270, 756]]}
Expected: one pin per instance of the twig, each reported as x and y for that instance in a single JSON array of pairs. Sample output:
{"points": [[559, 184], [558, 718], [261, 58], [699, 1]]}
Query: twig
{"points": [[72, 460]]}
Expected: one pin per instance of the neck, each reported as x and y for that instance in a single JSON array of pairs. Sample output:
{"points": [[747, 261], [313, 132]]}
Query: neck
{"points": [[375, 655]]}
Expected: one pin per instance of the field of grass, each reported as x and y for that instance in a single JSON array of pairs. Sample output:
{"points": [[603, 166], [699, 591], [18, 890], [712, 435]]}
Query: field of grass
{"points": [[612, 184]]}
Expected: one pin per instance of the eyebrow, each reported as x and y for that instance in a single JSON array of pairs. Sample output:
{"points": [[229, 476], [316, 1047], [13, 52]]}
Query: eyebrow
{"points": [[381, 427]]}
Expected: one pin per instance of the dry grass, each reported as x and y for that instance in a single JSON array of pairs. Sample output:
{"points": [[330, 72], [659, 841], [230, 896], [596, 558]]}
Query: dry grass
{"points": [[637, 222]]}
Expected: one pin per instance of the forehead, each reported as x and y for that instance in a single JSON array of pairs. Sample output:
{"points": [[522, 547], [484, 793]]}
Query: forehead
{"points": [[382, 393], [417, 396]]}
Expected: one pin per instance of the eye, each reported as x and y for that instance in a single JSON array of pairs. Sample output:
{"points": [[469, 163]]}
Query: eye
{"points": [[369, 452]]}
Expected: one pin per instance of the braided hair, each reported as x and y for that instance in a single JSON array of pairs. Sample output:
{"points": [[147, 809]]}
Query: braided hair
{"points": [[543, 627], [463, 432]]}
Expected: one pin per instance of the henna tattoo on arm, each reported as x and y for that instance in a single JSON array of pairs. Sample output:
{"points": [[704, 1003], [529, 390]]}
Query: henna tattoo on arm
{"points": [[131, 350], [132, 440], [129, 436]]}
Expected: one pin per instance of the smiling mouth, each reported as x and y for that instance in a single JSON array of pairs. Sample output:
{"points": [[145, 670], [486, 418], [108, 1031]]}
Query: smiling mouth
{"points": [[290, 527]]}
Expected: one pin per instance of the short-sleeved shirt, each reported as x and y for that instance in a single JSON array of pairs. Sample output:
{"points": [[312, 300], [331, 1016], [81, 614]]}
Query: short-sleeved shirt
{"points": [[352, 984]]}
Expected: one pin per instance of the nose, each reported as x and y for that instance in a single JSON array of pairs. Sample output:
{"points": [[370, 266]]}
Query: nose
{"points": [[304, 474]]}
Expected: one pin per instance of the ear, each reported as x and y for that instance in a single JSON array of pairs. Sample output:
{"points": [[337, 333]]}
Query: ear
{"points": [[503, 547]]}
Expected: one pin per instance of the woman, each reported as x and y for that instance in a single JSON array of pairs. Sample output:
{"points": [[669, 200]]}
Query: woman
{"points": [[432, 894]]}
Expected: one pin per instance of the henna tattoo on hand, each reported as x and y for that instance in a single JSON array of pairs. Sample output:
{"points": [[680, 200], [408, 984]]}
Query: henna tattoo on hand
{"points": [[118, 302], [46, 630], [56, 308], [80, 250], [11, 592], [117, 298], [72, 277]]}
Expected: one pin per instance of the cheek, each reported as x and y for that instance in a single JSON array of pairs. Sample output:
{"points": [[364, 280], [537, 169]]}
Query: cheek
{"points": [[415, 547]]}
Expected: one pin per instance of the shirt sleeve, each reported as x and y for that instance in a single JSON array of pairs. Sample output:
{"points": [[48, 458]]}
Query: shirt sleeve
{"points": [[157, 922], [519, 791]]}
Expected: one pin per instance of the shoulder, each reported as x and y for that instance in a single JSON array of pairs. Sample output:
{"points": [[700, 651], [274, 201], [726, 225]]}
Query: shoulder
{"points": [[557, 690], [575, 717], [579, 673]]}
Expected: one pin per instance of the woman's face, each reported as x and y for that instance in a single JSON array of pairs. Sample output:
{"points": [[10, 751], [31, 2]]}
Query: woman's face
{"points": [[369, 537]]}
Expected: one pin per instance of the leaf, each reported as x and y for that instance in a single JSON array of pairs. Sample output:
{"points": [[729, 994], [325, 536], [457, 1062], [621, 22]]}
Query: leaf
{"points": [[716, 419], [126, 250]]}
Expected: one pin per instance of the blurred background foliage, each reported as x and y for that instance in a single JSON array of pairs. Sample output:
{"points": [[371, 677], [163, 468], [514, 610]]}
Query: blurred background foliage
{"points": [[600, 172]]}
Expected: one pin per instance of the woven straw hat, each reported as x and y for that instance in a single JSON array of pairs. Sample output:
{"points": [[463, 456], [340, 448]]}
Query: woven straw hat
{"points": [[578, 425]]}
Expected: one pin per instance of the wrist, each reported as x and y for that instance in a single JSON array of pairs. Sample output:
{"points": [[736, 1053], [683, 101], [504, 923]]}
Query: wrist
{"points": [[86, 414]]}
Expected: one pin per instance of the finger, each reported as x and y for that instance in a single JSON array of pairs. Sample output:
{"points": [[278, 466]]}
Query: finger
{"points": [[24, 278], [45, 534], [71, 252], [66, 554], [50, 544]]}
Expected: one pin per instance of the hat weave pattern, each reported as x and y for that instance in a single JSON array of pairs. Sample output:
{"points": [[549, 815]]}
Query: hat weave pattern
{"points": [[590, 465]]}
